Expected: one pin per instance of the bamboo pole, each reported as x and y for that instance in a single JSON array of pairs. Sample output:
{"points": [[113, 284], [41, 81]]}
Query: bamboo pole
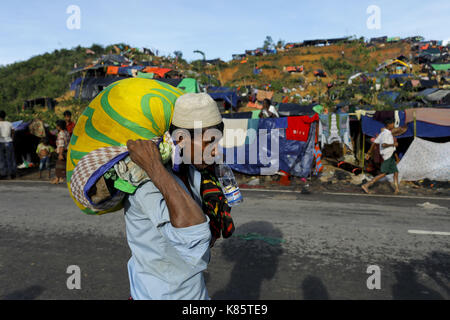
{"points": [[415, 125], [363, 153]]}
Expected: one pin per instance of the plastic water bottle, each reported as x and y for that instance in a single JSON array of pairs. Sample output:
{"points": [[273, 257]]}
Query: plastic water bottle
{"points": [[229, 185]]}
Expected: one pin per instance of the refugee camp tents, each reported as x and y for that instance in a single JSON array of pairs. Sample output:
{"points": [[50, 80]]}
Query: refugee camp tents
{"points": [[425, 160], [438, 95], [224, 93], [89, 87], [39, 102], [267, 146], [320, 73], [430, 123], [441, 66], [294, 109]]}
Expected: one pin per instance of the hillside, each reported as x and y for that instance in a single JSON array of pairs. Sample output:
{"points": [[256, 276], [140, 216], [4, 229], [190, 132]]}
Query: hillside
{"points": [[47, 75], [357, 57]]}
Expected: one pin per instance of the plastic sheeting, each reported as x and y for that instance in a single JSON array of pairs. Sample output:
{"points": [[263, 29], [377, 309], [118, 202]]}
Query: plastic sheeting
{"points": [[268, 152], [224, 93], [372, 128], [425, 159]]}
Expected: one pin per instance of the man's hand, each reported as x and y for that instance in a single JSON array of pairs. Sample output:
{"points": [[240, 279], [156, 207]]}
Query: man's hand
{"points": [[367, 156], [146, 155]]}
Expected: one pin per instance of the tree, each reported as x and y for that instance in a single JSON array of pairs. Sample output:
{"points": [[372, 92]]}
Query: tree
{"points": [[178, 54], [268, 43], [281, 43]]}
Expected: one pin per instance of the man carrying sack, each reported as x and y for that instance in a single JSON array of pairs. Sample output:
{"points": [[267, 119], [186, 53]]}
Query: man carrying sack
{"points": [[168, 218]]}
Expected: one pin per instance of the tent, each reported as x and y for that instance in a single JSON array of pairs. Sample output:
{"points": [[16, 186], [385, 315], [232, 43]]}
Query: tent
{"points": [[189, 85], [441, 66], [389, 96], [430, 123], [39, 102], [294, 109], [320, 73], [425, 159], [438, 95], [89, 87], [224, 93], [266, 146]]}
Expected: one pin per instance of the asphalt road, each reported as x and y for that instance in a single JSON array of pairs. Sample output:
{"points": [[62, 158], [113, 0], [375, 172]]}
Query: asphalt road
{"points": [[286, 246]]}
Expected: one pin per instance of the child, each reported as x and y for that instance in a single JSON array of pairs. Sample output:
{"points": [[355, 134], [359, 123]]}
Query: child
{"points": [[44, 150], [387, 149]]}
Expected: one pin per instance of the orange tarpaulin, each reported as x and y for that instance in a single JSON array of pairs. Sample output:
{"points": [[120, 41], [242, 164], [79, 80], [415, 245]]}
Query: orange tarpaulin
{"points": [[254, 105], [112, 70], [294, 69], [264, 95], [159, 71]]}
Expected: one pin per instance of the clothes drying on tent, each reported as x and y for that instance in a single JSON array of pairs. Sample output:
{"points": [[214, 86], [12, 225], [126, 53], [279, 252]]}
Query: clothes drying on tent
{"points": [[260, 147], [298, 127], [425, 160], [335, 127]]}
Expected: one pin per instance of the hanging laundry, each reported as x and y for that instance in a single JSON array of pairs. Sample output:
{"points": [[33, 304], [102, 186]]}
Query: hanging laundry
{"points": [[335, 127], [298, 127], [318, 158]]}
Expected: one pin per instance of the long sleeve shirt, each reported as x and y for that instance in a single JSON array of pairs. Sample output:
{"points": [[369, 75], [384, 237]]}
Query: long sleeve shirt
{"points": [[166, 262]]}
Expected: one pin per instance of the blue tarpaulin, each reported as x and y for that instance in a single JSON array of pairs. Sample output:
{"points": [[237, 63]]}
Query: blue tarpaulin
{"points": [[396, 76], [372, 128], [260, 156], [389, 96], [224, 93], [74, 84]]}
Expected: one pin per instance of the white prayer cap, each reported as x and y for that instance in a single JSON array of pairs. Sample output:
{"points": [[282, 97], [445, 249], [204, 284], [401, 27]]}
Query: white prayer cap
{"points": [[195, 107]]}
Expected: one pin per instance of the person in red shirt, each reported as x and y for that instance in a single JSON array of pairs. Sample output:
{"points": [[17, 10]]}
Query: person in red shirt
{"points": [[70, 125]]}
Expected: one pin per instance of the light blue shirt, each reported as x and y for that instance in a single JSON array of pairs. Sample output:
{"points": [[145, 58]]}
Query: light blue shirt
{"points": [[167, 262]]}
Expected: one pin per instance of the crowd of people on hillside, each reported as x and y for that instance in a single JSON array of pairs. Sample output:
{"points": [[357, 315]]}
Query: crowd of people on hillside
{"points": [[47, 149]]}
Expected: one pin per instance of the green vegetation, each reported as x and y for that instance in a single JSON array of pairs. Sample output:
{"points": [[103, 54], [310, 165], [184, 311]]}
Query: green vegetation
{"points": [[41, 76]]}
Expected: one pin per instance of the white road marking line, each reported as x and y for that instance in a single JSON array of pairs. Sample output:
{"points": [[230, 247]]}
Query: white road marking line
{"points": [[350, 194], [386, 196], [437, 233]]}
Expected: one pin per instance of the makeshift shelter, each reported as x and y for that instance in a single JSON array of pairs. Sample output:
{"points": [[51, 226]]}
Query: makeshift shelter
{"points": [[441, 66], [224, 93], [48, 103], [90, 87], [267, 146], [294, 109], [293, 69], [425, 160], [161, 72], [435, 95], [429, 123], [320, 73]]}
